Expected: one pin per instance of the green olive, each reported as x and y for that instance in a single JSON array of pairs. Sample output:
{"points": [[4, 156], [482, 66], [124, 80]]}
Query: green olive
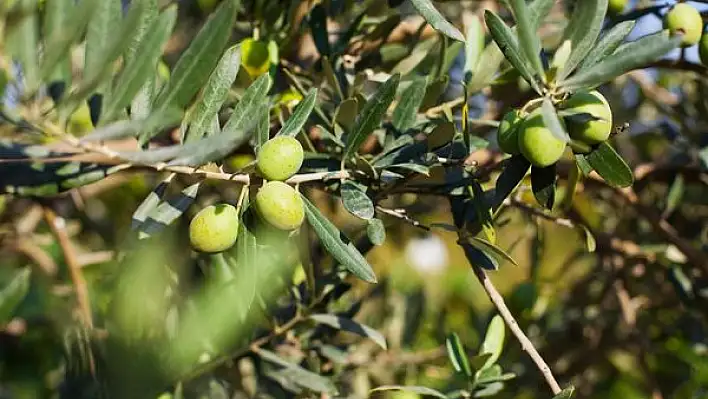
{"points": [[593, 119], [280, 205], [214, 228], [686, 20], [537, 143], [617, 6], [280, 158], [703, 49], [508, 132]]}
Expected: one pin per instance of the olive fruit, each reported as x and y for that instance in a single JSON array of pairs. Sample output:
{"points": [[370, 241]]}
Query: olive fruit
{"points": [[536, 142], [594, 117], [508, 132], [214, 228], [255, 57], [280, 206], [703, 49], [280, 158], [686, 20], [617, 6]]}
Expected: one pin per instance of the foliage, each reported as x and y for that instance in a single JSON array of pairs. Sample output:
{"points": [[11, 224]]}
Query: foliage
{"points": [[121, 121]]}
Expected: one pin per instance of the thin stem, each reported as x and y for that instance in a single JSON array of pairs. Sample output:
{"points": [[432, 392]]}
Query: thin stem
{"points": [[526, 344]]}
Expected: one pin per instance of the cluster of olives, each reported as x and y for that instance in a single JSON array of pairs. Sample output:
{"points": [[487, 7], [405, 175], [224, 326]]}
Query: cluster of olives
{"points": [[684, 19], [588, 122], [215, 228]]}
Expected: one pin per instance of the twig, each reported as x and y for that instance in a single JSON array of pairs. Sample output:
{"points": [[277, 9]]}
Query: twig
{"points": [[401, 214], [58, 227], [526, 344]]}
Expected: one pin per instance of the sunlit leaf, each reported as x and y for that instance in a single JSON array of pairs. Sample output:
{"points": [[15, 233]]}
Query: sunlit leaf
{"points": [[428, 11], [12, 294], [404, 116], [607, 44], [610, 166], [356, 201], [567, 393], [376, 231], [493, 340], [456, 354], [302, 112], [528, 38], [582, 32]]}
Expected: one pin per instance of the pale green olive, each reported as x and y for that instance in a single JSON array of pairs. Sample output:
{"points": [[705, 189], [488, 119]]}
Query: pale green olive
{"points": [[214, 228], [703, 49], [280, 158], [617, 6], [592, 119], [508, 132], [686, 20], [538, 145], [280, 206]]}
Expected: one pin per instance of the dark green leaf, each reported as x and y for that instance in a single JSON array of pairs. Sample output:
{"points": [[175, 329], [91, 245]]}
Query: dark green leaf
{"points": [[483, 211], [435, 89], [376, 231], [196, 63], [404, 115], [493, 341], [337, 244], [414, 389], [351, 326], [583, 164], [318, 25], [491, 250], [610, 166], [457, 355], [371, 115], [298, 375], [528, 38], [567, 393], [479, 258], [441, 135], [140, 69], [515, 168], [252, 99], [583, 30], [356, 201], [552, 122], [634, 55], [607, 44], [214, 93], [506, 40], [346, 114], [543, 184], [12, 294], [150, 202], [300, 116]]}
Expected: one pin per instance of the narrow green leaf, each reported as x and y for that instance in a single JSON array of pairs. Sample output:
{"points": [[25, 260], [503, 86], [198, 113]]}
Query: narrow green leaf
{"points": [[251, 100], [673, 199], [515, 168], [147, 17], [262, 133], [543, 184], [375, 231], [634, 55], [567, 393], [552, 121], [298, 375], [493, 341], [60, 43], [318, 26], [131, 128], [346, 113], [457, 355], [196, 63], [101, 35], [506, 40], [247, 255], [491, 249], [483, 210], [23, 42], [404, 115], [139, 69], [371, 115], [590, 243], [300, 116], [479, 258], [167, 211], [57, 16], [414, 389], [583, 29], [607, 44], [12, 294], [337, 244], [474, 46], [214, 93], [351, 326], [610, 166], [356, 201], [428, 11], [528, 38], [583, 164]]}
